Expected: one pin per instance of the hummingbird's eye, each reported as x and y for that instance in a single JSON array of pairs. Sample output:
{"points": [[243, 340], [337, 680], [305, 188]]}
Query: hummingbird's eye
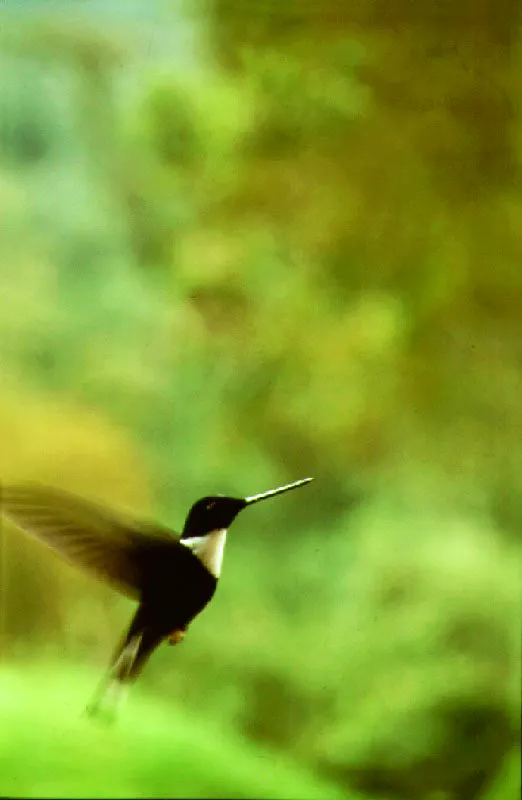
{"points": [[210, 504]]}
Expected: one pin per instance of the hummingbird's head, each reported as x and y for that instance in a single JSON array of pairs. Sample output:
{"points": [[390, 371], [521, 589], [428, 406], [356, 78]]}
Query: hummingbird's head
{"points": [[211, 514], [218, 512]]}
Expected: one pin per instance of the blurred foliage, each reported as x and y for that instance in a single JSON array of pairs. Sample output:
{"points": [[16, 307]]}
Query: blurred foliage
{"points": [[242, 244], [162, 753]]}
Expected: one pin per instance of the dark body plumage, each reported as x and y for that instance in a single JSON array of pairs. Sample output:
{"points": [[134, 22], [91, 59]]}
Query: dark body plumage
{"points": [[172, 577], [166, 606]]}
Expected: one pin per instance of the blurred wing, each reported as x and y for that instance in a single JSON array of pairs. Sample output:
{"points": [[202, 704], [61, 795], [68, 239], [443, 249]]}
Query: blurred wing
{"points": [[83, 533]]}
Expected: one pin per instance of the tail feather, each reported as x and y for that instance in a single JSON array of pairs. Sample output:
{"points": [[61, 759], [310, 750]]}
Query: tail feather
{"points": [[114, 689], [130, 657]]}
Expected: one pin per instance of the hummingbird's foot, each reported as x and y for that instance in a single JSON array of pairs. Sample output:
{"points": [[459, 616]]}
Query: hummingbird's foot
{"points": [[176, 636]]}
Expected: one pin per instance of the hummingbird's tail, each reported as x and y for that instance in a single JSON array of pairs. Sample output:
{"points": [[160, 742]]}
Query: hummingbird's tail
{"points": [[129, 659], [114, 688]]}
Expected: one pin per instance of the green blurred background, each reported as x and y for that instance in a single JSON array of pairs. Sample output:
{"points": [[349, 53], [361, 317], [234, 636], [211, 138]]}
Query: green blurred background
{"points": [[241, 243]]}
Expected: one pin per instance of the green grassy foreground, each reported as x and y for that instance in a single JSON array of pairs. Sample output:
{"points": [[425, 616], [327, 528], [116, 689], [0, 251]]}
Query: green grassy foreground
{"points": [[48, 750]]}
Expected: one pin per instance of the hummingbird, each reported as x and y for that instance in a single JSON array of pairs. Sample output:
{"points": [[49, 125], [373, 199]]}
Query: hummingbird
{"points": [[172, 577]]}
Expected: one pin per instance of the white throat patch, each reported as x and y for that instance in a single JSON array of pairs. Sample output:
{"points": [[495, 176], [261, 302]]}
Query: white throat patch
{"points": [[209, 549]]}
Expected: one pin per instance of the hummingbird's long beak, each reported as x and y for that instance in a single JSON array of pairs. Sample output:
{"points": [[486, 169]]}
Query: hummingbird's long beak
{"points": [[272, 492]]}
